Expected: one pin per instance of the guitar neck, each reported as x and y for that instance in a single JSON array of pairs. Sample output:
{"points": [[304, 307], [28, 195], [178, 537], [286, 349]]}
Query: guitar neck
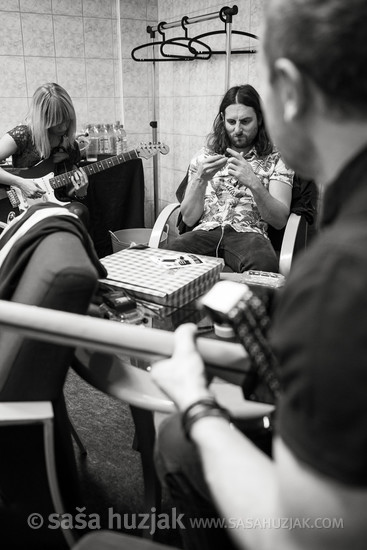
{"points": [[94, 168]]}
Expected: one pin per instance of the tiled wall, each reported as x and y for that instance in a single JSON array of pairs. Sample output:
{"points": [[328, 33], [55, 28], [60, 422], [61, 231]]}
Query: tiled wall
{"points": [[77, 44], [71, 42]]}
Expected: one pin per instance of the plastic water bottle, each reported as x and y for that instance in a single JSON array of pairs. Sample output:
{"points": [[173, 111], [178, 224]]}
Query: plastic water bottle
{"points": [[92, 150], [124, 138], [103, 140], [118, 138], [112, 139]]}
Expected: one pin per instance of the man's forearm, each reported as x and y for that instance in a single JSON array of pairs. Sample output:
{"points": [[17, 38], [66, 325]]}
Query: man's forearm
{"points": [[192, 206], [272, 210], [240, 478]]}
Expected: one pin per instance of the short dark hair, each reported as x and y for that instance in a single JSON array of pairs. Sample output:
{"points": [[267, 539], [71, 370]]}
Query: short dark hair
{"points": [[246, 94], [326, 40]]}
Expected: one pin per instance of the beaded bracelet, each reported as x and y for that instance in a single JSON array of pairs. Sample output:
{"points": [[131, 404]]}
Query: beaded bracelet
{"points": [[201, 409]]}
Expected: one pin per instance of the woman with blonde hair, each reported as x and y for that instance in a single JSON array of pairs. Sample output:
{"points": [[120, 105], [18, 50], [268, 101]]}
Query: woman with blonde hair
{"points": [[48, 133]]}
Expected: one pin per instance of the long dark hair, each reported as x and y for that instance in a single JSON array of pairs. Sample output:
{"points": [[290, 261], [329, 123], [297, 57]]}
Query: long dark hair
{"points": [[246, 94]]}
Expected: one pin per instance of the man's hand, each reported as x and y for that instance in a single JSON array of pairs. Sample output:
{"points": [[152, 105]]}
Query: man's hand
{"points": [[210, 166], [239, 168], [182, 377]]}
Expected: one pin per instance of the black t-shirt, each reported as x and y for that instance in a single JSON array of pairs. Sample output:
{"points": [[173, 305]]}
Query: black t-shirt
{"points": [[319, 336], [27, 155]]}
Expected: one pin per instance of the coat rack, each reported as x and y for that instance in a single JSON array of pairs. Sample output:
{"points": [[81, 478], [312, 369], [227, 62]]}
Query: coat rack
{"points": [[191, 49]]}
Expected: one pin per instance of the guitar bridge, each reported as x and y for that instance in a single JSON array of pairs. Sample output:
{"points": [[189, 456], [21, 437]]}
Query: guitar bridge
{"points": [[12, 196]]}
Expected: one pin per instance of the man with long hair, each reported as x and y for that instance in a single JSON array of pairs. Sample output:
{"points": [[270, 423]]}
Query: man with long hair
{"points": [[237, 185]]}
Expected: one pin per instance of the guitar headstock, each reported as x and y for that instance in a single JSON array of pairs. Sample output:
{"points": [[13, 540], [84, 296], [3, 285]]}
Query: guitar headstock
{"points": [[147, 150]]}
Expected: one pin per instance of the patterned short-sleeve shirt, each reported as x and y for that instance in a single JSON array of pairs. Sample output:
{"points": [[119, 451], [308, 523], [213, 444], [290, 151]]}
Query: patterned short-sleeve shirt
{"points": [[229, 203]]}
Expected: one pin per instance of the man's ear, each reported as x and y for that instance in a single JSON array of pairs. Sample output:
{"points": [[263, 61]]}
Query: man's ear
{"points": [[293, 89]]}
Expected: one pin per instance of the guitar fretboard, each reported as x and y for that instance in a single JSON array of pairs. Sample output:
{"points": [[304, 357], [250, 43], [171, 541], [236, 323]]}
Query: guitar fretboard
{"points": [[94, 168]]}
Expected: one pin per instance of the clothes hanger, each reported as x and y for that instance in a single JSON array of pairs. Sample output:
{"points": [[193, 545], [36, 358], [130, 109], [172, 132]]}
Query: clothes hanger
{"points": [[225, 15], [186, 42], [181, 41], [233, 51]]}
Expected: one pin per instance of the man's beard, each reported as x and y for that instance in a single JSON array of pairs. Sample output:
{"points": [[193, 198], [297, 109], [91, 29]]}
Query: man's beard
{"points": [[243, 141]]}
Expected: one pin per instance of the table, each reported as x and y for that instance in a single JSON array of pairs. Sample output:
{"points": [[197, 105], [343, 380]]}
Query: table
{"points": [[129, 380]]}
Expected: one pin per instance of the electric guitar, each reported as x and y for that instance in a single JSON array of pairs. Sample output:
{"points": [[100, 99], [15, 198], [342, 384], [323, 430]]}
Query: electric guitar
{"points": [[42, 173]]}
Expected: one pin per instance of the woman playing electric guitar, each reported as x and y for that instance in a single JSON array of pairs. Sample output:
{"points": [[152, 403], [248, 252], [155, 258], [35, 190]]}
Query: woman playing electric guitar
{"points": [[48, 135]]}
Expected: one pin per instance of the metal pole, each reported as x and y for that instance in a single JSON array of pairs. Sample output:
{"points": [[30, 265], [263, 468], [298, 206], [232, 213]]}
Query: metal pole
{"points": [[154, 126], [164, 26], [228, 54]]}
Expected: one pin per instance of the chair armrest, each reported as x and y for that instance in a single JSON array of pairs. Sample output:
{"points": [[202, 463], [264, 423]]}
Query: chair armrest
{"points": [[29, 412], [288, 243], [160, 224]]}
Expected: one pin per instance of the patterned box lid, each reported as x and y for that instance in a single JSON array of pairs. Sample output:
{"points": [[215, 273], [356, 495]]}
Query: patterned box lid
{"points": [[141, 272]]}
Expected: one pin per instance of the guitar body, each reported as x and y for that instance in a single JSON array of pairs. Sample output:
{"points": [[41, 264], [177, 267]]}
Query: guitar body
{"points": [[43, 174]]}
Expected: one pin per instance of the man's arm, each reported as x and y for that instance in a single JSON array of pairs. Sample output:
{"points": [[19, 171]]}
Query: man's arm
{"points": [[273, 204], [192, 206], [268, 505], [241, 478]]}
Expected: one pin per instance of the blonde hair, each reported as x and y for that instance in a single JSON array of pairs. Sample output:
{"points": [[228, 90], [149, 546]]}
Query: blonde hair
{"points": [[50, 105]]}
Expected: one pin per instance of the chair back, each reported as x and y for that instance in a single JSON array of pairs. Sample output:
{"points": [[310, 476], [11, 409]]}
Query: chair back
{"points": [[60, 276]]}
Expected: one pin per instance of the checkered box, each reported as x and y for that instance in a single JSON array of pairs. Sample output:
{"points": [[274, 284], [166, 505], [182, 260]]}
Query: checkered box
{"points": [[138, 272]]}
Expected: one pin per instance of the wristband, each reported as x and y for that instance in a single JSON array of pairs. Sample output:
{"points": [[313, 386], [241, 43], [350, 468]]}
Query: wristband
{"points": [[201, 409]]}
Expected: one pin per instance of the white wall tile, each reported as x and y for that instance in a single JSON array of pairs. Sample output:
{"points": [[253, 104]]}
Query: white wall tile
{"points": [[12, 112], [12, 82], [135, 78], [152, 10], [181, 115], [67, 7], [81, 110], [11, 35], [133, 9], [98, 37], [69, 36], [101, 109], [38, 71], [9, 5], [96, 8], [35, 6], [136, 115], [38, 37], [100, 77], [133, 34], [71, 75]]}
